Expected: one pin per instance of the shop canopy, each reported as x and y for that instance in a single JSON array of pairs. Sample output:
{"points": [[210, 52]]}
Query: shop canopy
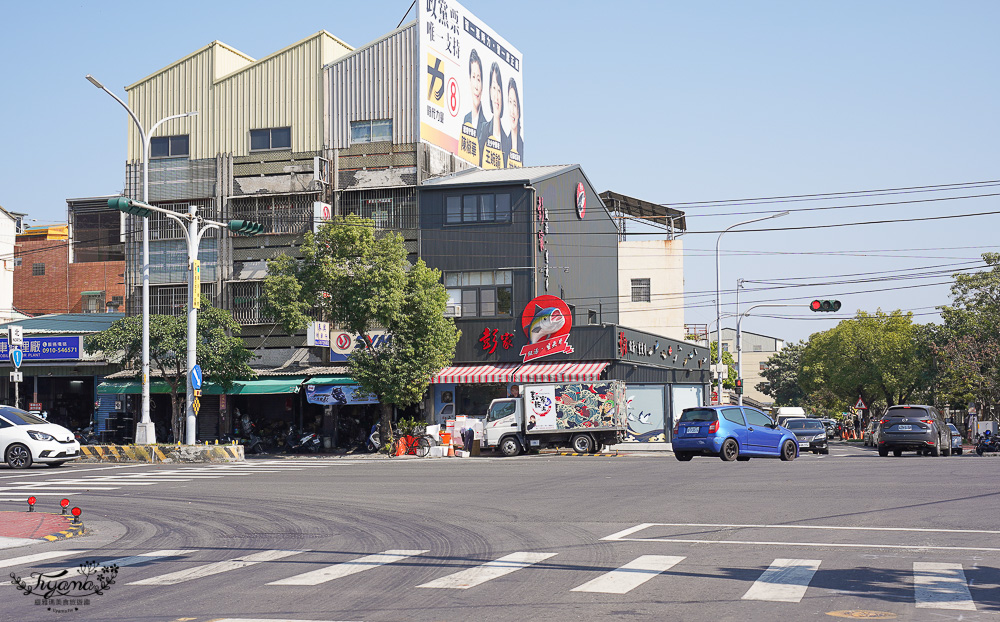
{"points": [[324, 380], [266, 386], [516, 372], [560, 372], [475, 374], [134, 387]]}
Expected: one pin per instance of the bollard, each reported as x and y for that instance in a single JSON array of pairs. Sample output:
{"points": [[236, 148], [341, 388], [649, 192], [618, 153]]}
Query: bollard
{"points": [[76, 516], [31, 504], [65, 504]]}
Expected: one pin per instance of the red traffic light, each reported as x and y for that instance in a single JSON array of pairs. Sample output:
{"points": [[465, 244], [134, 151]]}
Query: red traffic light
{"points": [[825, 305], [815, 305]]}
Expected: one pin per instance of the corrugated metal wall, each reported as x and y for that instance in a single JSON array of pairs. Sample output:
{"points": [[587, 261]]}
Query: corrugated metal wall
{"points": [[283, 90], [376, 82]]}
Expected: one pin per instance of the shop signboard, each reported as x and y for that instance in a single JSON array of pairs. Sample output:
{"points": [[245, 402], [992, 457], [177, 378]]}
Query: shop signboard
{"points": [[45, 348], [546, 321], [338, 394], [318, 334], [541, 404], [470, 94], [343, 343]]}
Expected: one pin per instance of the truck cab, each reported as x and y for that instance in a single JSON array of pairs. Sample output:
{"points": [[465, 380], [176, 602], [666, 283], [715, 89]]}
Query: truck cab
{"points": [[504, 419]]}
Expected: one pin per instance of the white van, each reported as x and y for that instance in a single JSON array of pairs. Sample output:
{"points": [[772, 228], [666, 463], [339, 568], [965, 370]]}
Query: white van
{"points": [[789, 412]]}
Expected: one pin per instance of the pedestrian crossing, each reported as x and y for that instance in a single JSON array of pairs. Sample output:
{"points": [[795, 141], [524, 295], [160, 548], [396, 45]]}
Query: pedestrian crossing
{"points": [[18, 488], [934, 585]]}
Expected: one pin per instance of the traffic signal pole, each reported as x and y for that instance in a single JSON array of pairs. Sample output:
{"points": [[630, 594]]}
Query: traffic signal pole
{"points": [[739, 345]]}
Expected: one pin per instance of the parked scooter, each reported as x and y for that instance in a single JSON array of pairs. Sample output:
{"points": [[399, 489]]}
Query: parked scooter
{"points": [[296, 441], [253, 443], [987, 442], [86, 436], [374, 439]]}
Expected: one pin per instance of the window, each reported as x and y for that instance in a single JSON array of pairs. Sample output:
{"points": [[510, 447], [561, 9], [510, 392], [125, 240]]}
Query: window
{"points": [[271, 139], [37, 269], [755, 417], [470, 208], [169, 147], [725, 346], [640, 290], [483, 294], [117, 302], [93, 302], [733, 414], [591, 316], [501, 410], [758, 348], [371, 131], [763, 366], [18, 261]]}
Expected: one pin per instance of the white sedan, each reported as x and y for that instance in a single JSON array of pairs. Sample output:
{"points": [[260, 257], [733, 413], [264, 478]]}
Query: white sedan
{"points": [[27, 438]]}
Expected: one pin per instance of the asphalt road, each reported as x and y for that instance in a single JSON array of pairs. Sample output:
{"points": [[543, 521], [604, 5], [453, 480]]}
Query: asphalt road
{"points": [[638, 537]]}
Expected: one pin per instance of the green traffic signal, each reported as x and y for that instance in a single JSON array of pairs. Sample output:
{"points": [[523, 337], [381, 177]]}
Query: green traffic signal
{"points": [[246, 227], [136, 208], [827, 306]]}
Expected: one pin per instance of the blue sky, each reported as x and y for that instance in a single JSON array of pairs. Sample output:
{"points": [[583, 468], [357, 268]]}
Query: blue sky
{"points": [[668, 101]]}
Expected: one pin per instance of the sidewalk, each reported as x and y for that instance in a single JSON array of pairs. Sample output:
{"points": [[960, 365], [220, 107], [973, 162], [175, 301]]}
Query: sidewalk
{"points": [[23, 528]]}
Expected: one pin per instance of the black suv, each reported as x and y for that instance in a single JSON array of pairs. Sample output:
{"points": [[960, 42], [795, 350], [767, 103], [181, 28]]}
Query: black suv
{"points": [[913, 428]]}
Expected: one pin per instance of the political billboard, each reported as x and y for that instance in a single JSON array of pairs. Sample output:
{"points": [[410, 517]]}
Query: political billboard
{"points": [[470, 97]]}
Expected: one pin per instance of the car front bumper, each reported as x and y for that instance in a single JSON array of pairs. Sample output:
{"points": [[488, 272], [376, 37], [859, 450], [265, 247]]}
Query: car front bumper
{"points": [[54, 451]]}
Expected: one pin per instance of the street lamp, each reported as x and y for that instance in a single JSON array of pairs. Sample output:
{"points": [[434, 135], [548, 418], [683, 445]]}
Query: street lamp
{"points": [[718, 294], [189, 223], [145, 432]]}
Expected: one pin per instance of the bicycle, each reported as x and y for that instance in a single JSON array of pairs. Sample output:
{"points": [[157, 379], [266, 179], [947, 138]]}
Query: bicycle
{"points": [[411, 444]]}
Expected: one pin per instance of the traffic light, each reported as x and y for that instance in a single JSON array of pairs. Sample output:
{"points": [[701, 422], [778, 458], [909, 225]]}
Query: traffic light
{"points": [[246, 227], [739, 386], [828, 306], [136, 208]]}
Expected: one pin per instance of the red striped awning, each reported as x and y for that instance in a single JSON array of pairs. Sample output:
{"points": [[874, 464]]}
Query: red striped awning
{"points": [[474, 374], [560, 372]]}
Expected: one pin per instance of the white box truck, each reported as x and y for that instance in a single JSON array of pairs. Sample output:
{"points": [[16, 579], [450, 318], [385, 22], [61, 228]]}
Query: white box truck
{"points": [[585, 416]]}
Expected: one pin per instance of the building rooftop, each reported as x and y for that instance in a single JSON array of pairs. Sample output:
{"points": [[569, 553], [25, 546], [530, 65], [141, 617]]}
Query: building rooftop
{"points": [[66, 323], [527, 175]]}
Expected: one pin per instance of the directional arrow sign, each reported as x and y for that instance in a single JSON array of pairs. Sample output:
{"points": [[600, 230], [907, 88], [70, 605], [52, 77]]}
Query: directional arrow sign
{"points": [[16, 356], [196, 377]]}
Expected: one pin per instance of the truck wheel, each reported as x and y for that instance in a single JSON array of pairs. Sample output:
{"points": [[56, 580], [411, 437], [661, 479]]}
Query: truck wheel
{"points": [[510, 447], [582, 444]]}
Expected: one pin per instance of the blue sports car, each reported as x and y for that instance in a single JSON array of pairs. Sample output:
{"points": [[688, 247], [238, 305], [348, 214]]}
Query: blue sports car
{"points": [[731, 433]]}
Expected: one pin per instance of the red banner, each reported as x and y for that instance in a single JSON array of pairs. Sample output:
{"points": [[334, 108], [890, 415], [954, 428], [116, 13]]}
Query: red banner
{"points": [[556, 345]]}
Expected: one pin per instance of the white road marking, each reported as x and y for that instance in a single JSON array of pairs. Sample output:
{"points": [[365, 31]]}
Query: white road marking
{"points": [[129, 561], [628, 532], [37, 557], [53, 494], [941, 586], [490, 570], [76, 470], [641, 526], [337, 571], [785, 581], [207, 570], [268, 620], [631, 575]]}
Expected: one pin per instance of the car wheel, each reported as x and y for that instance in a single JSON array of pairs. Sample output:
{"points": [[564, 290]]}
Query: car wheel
{"points": [[825, 451], [882, 451], [945, 451], [979, 450], [18, 457], [743, 458], [510, 447], [788, 451], [897, 452], [54, 464], [582, 444], [730, 450], [957, 452], [683, 456], [935, 451]]}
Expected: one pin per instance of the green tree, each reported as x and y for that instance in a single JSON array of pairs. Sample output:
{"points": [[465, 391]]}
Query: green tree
{"points": [[781, 376], [876, 357], [222, 357], [727, 358], [362, 281], [968, 346]]}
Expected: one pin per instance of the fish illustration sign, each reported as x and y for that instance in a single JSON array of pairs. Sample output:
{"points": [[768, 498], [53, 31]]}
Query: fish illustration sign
{"points": [[546, 321]]}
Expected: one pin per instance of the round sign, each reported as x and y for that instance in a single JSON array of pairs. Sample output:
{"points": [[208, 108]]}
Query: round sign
{"points": [[581, 200], [546, 317], [454, 99], [344, 341]]}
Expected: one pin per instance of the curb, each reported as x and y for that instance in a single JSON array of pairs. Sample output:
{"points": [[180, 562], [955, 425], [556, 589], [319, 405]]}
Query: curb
{"points": [[74, 530], [569, 453], [161, 453]]}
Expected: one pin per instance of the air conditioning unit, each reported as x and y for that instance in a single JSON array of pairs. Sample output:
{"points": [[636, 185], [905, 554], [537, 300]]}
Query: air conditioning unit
{"points": [[453, 311]]}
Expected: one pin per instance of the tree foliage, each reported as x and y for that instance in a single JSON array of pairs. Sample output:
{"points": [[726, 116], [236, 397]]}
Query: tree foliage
{"points": [[222, 357], [875, 357], [781, 376], [361, 281]]}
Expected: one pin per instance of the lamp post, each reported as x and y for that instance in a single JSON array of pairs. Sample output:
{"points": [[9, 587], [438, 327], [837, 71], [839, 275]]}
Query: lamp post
{"points": [[739, 347], [194, 227], [718, 289], [145, 433]]}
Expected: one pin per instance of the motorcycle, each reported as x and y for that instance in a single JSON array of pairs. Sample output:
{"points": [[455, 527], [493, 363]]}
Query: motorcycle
{"points": [[296, 441], [254, 444], [987, 443], [86, 436], [374, 439]]}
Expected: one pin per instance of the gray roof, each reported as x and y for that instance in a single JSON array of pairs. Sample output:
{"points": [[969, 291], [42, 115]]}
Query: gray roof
{"points": [[527, 174], [66, 323], [332, 370]]}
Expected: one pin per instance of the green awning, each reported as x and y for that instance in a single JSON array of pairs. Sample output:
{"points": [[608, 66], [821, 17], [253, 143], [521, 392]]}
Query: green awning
{"points": [[96, 292], [268, 386], [330, 380], [130, 387]]}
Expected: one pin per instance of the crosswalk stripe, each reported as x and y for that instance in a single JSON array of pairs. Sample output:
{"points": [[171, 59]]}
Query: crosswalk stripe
{"points": [[941, 586], [268, 620], [322, 575], [490, 570], [785, 581], [37, 557], [631, 575], [132, 560], [207, 570]]}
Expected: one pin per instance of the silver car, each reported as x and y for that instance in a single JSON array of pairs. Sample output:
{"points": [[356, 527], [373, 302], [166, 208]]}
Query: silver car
{"points": [[956, 439]]}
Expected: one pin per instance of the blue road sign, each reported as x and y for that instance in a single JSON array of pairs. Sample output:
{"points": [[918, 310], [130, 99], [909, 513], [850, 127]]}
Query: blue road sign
{"points": [[16, 356], [196, 377]]}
